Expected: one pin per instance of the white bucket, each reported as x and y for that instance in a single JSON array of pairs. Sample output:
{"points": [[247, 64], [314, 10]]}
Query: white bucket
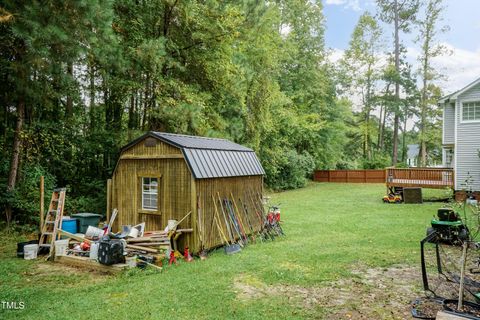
{"points": [[61, 247], [172, 225], [94, 232], [30, 251], [94, 250], [131, 261]]}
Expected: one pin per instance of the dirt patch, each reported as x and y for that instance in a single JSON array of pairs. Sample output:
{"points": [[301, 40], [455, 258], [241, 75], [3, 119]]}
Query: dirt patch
{"points": [[46, 272], [380, 293]]}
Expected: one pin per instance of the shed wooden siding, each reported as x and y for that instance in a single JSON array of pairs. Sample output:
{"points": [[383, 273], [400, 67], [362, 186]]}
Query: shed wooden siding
{"points": [[448, 123], [246, 190], [468, 143], [174, 200]]}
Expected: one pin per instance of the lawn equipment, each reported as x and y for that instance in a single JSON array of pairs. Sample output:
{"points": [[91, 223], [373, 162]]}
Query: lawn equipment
{"points": [[448, 227], [392, 198]]}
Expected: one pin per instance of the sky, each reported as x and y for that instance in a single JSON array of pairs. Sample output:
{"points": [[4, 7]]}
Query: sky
{"points": [[463, 38]]}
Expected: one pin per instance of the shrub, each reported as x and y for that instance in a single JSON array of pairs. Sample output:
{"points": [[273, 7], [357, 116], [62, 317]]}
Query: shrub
{"points": [[287, 169], [380, 162]]}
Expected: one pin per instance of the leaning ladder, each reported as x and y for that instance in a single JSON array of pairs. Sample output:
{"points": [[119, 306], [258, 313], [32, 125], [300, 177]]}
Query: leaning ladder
{"points": [[53, 221]]}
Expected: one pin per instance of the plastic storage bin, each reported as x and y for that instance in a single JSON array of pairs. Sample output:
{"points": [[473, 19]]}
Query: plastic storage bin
{"points": [[86, 219]]}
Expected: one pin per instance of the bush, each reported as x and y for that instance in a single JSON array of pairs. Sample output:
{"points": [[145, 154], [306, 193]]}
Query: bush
{"points": [[25, 199], [286, 169], [380, 162]]}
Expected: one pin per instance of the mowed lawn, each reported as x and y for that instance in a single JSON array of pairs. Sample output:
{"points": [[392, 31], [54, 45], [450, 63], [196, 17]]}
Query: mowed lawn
{"points": [[331, 229]]}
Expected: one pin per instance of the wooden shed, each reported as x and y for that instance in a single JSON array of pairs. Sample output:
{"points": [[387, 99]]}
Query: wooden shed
{"points": [[163, 176]]}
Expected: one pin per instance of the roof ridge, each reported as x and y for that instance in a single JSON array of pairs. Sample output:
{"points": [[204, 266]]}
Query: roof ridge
{"points": [[190, 136]]}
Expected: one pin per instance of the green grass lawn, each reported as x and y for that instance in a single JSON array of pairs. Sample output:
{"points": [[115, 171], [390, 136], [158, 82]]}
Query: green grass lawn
{"points": [[331, 230]]}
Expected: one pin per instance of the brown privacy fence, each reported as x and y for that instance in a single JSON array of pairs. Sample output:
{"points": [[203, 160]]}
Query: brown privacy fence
{"points": [[350, 176]]}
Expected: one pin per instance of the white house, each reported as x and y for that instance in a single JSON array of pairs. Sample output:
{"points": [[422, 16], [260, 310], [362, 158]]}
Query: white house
{"points": [[413, 151], [461, 134]]}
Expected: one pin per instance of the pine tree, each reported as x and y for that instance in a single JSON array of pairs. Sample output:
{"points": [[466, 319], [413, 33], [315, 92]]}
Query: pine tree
{"points": [[400, 13]]}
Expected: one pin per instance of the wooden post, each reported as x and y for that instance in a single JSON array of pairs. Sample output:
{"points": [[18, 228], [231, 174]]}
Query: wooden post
{"points": [[194, 245], [109, 199], [328, 174], [462, 277], [42, 201], [347, 176]]}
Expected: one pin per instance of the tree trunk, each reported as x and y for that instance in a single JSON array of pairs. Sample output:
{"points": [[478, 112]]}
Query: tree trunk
{"points": [[131, 116], [404, 139], [92, 96], [379, 128], [16, 150], [382, 135], [69, 106], [146, 102], [423, 114], [397, 88]]}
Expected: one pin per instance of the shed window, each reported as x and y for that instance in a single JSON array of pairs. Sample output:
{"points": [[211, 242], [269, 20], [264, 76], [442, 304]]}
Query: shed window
{"points": [[150, 193], [471, 111]]}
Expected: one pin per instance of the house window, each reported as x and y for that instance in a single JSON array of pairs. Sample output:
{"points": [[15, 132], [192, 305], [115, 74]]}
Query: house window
{"points": [[449, 158], [150, 193], [471, 111]]}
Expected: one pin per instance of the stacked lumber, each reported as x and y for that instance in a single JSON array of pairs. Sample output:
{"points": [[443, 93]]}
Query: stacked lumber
{"points": [[151, 242], [155, 241]]}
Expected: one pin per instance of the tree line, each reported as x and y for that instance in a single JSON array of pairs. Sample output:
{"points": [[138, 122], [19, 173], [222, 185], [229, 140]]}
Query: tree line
{"points": [[81, 78]]}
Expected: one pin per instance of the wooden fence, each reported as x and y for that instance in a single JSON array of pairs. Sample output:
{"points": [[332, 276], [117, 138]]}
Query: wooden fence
{"points": [[350, 176]]}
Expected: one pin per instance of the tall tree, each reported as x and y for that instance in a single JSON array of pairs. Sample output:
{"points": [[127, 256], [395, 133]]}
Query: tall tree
{"points": [[429, 30], [363, 67], [401, 14]]}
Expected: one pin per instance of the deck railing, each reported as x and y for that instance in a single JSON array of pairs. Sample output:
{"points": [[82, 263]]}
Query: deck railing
{"points": [[420, 177]]}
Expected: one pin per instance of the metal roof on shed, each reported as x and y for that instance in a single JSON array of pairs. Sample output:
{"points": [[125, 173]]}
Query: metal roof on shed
{"points": [[212, 157], [184, 141]]}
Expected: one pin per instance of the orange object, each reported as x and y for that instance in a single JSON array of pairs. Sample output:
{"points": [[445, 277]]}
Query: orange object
{"points": [[85, 246]]}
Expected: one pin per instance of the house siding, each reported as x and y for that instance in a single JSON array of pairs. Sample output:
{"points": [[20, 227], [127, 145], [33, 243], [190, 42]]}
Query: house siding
{"points": [[448, 124], [468, 144]]}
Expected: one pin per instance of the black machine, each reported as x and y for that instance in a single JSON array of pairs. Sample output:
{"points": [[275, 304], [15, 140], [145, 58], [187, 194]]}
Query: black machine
{"points": [[111, 251], [447, 228]]}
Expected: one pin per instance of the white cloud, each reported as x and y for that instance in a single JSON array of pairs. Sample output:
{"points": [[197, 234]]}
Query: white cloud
{"points": [[460, 68], [334, 55], [347, 4]]}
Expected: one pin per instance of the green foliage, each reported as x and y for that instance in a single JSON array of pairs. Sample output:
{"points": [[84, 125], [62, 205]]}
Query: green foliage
{"points": [[287, 169], [25, 198], [379, 162]]}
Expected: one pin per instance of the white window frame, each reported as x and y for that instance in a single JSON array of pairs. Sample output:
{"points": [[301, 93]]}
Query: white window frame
{"points": [[149, 192], [461, 111]]}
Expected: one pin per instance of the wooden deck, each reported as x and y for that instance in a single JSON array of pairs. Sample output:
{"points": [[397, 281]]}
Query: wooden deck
{"points": [[435, 178]]}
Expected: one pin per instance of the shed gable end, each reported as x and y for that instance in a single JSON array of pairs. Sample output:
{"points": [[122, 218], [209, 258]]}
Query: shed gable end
{"points": [[151, 147]]}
